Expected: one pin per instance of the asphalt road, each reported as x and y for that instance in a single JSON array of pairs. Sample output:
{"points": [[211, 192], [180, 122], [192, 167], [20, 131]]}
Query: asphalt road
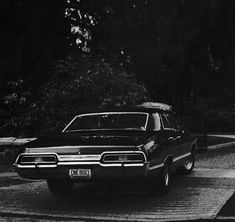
{"points": [[198, 196]]}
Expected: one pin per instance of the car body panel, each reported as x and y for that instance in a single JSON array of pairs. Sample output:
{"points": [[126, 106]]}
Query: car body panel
{"points": [[133, 153]]}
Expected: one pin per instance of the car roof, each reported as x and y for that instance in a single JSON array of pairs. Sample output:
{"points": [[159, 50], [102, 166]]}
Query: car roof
{"points": [[154, 106], [147, 107]]}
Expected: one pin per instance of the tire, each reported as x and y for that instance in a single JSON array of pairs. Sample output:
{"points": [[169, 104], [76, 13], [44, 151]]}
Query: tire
{"points": [[188, 166], [165, 178], [59, 186]]}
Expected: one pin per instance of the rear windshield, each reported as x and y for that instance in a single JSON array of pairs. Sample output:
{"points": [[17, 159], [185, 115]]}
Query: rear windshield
{"points": [[109, 121]]}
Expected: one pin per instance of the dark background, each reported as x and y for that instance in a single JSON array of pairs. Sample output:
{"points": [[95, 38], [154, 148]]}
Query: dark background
{"points": [[60, 58]]}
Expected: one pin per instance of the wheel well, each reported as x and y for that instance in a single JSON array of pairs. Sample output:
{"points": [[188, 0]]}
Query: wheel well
{"points": [[168, 159]]}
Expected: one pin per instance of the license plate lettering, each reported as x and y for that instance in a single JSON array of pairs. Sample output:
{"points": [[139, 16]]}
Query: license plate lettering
{"points": [[80, 173]]}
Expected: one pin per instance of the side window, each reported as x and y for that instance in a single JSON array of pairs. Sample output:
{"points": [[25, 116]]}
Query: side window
{"points": [[165, 122], [157, 122], [173, 123]]}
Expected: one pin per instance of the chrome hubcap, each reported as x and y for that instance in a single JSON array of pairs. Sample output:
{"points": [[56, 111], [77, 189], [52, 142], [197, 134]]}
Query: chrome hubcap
{"points": [[188, 164], [166, 176]]}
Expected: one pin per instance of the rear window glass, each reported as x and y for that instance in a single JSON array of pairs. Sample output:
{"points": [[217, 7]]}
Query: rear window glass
{"points": [[109, 121]]}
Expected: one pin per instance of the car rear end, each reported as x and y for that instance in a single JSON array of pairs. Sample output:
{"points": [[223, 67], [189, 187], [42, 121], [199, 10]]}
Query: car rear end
{"points": [[121, 163]]}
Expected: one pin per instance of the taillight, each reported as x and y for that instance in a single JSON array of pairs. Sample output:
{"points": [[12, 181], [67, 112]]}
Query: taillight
{"points": [[127, 158], [38, 159]]}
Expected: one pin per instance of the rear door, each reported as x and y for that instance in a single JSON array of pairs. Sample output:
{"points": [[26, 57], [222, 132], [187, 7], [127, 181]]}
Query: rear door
{"points": [[185, 142], [172, 136]]}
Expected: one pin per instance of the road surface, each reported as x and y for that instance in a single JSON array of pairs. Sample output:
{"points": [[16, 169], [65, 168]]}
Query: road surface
{"points": [[198, 196]]}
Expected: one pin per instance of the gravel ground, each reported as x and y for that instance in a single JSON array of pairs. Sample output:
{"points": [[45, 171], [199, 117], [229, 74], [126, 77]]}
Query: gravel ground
{"points": [[6, 168], [223, 158]]}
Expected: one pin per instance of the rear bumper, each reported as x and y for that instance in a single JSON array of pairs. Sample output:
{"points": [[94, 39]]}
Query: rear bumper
{"points": [[98, 171]]}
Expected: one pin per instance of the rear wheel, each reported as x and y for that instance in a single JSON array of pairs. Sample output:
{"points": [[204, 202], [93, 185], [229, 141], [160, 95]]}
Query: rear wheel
{"points": [[188, 164], [165, 178], [59, 186]]}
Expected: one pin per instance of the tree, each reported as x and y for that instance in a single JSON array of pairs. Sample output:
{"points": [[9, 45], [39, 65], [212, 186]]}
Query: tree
{"points": [[85, 83], [17, 101], [183, 51], [33, 36], [185, 45]]}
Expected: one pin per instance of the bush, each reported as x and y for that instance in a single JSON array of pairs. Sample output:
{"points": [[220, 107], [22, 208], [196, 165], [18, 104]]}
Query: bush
{"points": [[77, 84], [84, 84]]}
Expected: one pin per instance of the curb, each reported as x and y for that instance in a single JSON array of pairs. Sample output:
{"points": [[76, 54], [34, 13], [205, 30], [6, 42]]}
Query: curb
{"points": [[213, 147], [49, 217], [42, 217], [224, 218], [221, 145]]}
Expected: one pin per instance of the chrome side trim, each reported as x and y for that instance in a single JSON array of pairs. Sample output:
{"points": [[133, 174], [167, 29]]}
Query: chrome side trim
{"points": [[79, 157], [67, 164], [47, 166], [174, 160], [36, 166], [73, 147], [101, 164], [156, 166], [181, 157], [89, 163], [133, 164], [25, 166]]}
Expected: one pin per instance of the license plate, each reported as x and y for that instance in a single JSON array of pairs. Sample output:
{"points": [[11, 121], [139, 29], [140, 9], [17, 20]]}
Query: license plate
{"points": [[80, 173]]}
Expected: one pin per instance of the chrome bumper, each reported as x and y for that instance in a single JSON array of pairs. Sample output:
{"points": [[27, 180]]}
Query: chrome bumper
{"points": [[99, 170]]}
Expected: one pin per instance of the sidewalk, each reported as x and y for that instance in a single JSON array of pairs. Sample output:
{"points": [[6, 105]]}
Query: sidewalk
{"points": [[228, 210], [227, 213]]}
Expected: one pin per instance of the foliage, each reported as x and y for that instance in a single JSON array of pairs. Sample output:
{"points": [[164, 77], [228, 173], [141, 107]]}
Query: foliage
{"points": [[184, 46], [82, 84], [17, 101], [182, 51]]}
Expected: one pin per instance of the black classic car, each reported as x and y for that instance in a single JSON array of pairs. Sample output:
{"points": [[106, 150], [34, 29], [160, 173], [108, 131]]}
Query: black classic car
{"points": [[143, 142]]}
